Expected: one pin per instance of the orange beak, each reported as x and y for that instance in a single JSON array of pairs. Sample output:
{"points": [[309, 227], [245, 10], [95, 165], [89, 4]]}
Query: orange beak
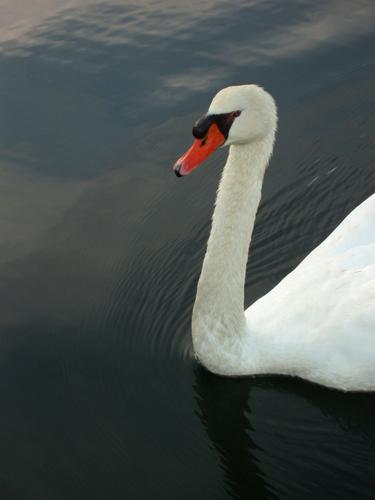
{"points": [[199, 151]]}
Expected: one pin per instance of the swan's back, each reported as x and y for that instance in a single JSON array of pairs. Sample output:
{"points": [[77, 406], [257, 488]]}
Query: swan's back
{"points": [[325, 308], [355, 231]]}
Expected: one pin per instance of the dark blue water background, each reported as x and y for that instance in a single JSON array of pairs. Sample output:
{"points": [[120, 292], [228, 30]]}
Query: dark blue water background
{"points": [[101, 246]]}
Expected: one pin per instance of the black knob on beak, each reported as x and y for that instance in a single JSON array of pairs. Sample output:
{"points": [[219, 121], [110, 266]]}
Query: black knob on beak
{"points": [[201, 126]]}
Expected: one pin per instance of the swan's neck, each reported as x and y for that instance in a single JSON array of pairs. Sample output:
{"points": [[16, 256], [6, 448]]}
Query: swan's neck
{"points": [[218, 316]]}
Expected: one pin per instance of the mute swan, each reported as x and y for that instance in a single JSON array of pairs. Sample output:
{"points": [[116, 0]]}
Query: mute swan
{"points": [[318, 323]]}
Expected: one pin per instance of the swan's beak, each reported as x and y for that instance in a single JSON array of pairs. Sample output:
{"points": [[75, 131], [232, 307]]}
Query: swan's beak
{"points": [[199, 151]]}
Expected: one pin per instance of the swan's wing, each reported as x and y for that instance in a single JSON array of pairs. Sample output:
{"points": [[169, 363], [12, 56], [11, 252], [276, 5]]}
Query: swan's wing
{"points": [[342, 266], [356, 230], [323, 312], [323, 295]]}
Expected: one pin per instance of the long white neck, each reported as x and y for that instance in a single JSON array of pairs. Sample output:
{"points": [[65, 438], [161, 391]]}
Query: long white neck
{"points": [[218, 316]]}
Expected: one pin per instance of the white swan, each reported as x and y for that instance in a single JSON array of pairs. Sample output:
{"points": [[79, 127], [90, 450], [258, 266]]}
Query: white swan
{"points": [[318, 323]]}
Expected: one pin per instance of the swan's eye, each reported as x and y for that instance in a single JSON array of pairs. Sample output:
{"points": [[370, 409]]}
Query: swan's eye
{"points": [[222, 120]]}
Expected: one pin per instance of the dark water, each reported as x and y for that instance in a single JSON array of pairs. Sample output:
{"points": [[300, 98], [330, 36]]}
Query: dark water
{"points": [[101, 246]]}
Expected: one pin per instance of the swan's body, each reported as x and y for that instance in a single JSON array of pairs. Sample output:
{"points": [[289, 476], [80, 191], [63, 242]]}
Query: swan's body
{"points": [[319, 322]]}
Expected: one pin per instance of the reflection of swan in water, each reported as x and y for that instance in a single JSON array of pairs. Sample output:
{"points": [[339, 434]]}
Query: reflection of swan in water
{"points": [[278, 437], [319, 322], [223, 407]]}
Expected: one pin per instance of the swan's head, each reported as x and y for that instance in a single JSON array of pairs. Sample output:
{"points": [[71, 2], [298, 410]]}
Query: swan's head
{"points": [[237, 115]]}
